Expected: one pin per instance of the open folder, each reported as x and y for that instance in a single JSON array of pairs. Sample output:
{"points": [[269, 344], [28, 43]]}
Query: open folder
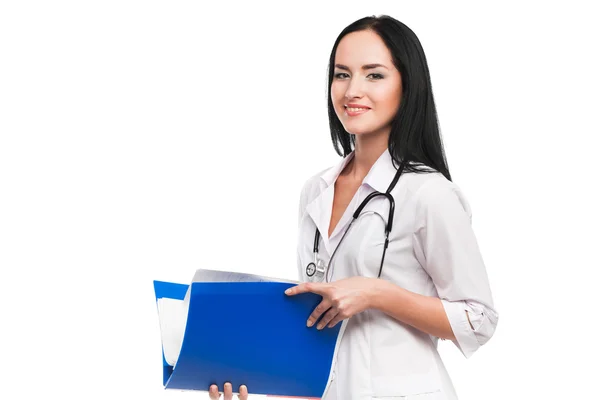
{"points": [[243, 329]]}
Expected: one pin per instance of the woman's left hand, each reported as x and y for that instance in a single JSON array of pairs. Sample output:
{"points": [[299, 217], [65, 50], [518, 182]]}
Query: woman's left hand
{"points": [[341, 299]]}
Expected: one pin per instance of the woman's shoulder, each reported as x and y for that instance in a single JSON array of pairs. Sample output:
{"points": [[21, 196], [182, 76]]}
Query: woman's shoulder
{"points": [[434, 190], [426, 179]]}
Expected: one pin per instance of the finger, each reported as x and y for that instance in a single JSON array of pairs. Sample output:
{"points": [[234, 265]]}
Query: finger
{"points": [[336, 320], [330, 315], [243, 393], [313, 287], [227, 391], [213, 392], [317, 312]]}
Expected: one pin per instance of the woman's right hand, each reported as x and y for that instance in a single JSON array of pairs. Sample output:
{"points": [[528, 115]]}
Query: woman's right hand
{"points": [[227, 392]]}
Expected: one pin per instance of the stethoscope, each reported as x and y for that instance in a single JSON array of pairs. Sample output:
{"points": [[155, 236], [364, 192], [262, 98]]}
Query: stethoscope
{"points": [[317, 270]]}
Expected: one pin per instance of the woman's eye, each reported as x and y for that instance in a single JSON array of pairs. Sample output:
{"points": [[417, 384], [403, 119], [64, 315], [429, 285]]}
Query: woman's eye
{"points": [[343, 75]]}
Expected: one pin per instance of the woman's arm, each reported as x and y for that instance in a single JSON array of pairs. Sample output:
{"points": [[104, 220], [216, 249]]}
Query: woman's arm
{"points": [[347, 297], [446, 247], [422, 312]]}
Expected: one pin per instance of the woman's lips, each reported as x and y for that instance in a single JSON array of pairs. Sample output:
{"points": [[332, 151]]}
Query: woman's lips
{"points": [[352, 112]]}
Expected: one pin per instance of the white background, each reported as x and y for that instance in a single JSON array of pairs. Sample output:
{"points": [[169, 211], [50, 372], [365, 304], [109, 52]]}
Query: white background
{"points": [[141, 140]]}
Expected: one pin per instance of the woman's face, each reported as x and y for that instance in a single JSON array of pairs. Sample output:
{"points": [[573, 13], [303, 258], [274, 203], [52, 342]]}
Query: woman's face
{"points": [[366, 87]]}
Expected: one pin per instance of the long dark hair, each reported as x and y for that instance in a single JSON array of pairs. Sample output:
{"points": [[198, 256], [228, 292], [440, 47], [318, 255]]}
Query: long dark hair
{"points": [[415, 135]]}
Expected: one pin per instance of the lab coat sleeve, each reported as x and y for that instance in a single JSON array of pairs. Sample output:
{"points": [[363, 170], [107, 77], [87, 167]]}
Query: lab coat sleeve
{"points": [[445, 239]]}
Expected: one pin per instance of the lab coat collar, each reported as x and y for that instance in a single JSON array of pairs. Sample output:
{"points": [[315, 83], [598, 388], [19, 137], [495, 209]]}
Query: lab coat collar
{"points": [[331, 175], [382, 173], [321, 207], [379, 177]]}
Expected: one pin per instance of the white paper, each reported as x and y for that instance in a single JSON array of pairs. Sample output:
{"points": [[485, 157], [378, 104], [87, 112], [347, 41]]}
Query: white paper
{"points": [[172, 318]]}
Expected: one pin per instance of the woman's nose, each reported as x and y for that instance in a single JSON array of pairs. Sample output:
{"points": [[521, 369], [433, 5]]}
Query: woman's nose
{"points": [[354, 89]]}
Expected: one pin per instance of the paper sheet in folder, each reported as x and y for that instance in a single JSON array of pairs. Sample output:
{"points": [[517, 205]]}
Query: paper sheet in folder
{"points": [[243, 329]]}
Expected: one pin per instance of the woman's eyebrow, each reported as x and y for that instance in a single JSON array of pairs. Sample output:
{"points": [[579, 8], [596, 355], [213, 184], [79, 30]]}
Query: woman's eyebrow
{"points": [[364, 67]]}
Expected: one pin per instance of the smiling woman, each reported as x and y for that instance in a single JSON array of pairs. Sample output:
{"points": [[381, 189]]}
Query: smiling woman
{"points": [[385, 236], [371, 92]]}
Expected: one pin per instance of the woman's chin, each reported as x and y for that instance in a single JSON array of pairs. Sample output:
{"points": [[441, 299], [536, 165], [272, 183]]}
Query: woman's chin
{"points": [[359, 132]]}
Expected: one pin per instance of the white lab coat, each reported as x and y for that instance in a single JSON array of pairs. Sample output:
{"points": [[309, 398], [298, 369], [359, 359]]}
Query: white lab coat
{"points": [[432, 251]]}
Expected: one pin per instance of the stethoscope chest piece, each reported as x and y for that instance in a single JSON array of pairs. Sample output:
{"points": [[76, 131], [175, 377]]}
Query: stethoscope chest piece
{"points": [[316, 271]]}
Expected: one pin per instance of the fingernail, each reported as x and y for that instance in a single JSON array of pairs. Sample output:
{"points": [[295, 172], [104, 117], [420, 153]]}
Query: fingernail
{"points": [[309, 323], [320, 326], [288, 291]]}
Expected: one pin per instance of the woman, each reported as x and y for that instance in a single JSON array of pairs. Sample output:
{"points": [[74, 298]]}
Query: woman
{"points": [[425, 279]]}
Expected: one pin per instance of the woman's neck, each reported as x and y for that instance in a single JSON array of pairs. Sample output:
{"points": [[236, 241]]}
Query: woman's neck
{"points": [[366, 152]]}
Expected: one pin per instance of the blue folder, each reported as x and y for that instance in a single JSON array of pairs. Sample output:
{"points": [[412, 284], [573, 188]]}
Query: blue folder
{"points": [[250, 333]]}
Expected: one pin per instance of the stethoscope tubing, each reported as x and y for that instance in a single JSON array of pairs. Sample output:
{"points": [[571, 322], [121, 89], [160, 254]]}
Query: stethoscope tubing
{"points": [[355, 215]]}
